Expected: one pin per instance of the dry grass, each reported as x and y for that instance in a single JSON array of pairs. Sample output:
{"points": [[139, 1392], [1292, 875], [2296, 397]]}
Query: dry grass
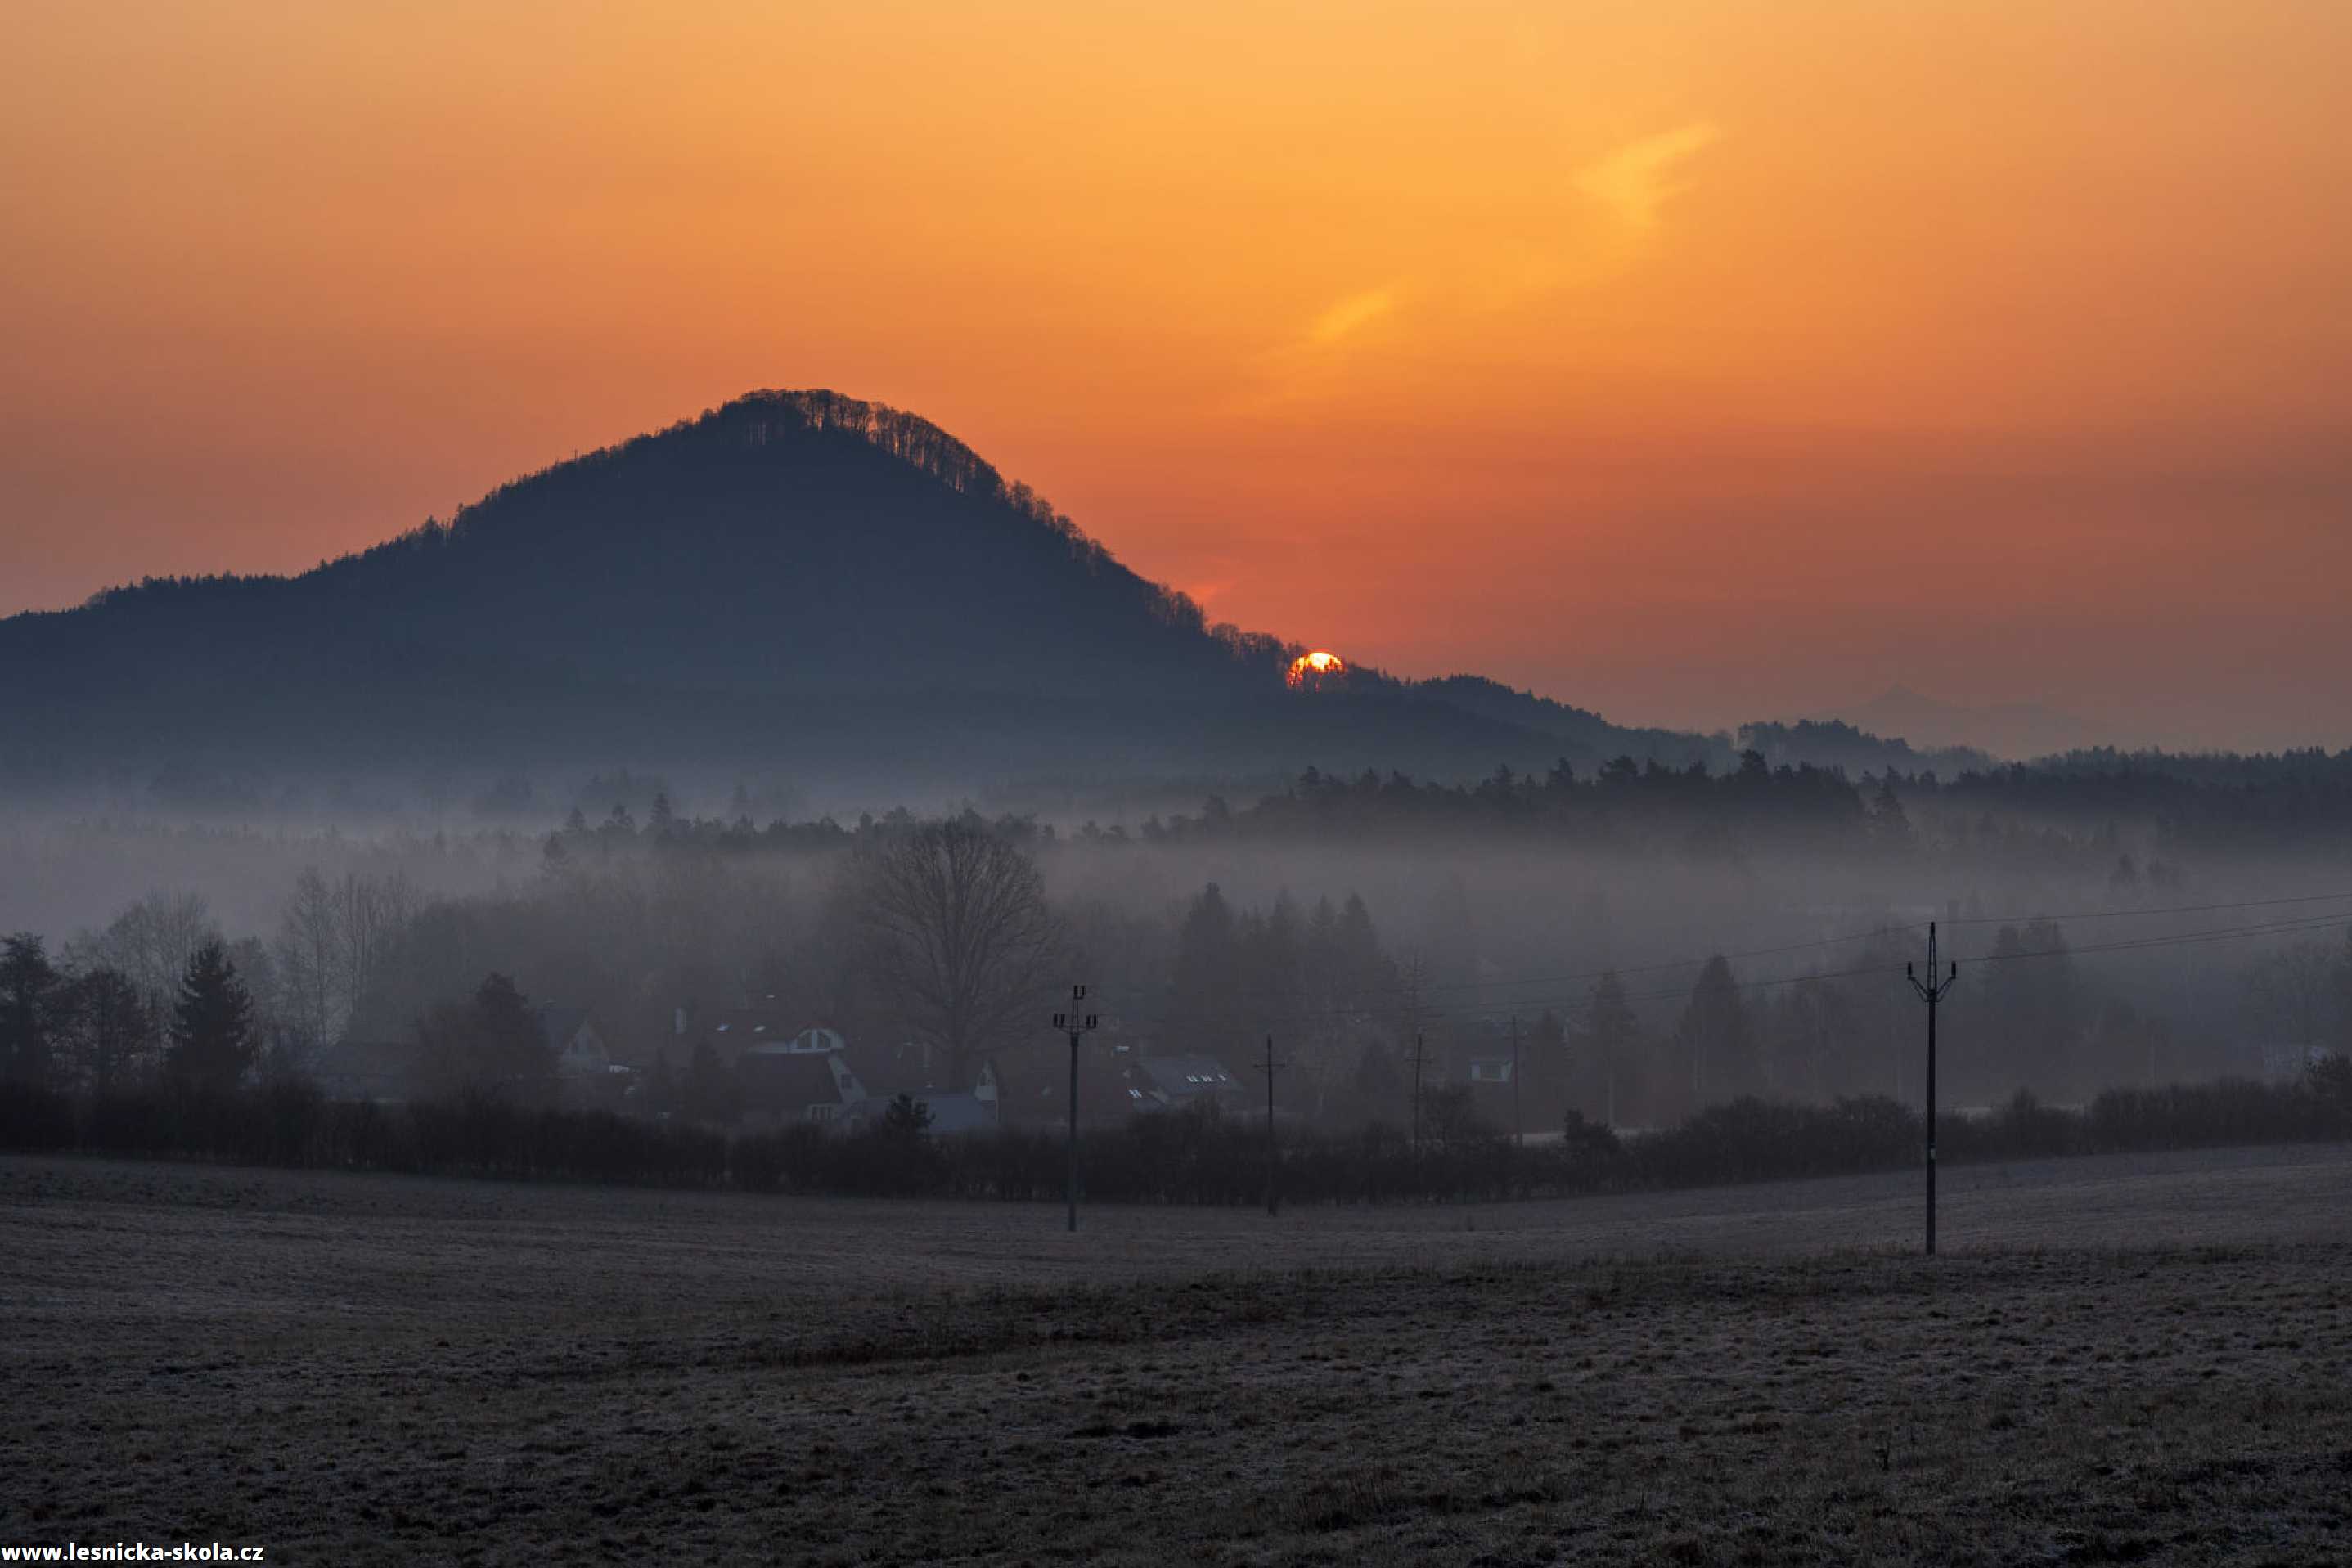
{"points": [[2151, 1364]]}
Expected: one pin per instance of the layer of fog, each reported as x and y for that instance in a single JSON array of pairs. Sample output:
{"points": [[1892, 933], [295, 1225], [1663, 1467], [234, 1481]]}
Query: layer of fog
{"points": [[1491, 930]]}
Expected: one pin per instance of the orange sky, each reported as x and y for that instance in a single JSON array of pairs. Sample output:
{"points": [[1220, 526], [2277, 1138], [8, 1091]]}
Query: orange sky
{"points": [[1691, 362]]}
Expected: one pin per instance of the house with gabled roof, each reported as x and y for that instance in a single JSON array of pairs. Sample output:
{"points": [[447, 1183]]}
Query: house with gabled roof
{"points": [[781, 1083], [1119, 1082], [973, 1110], [583, 1063], [575, 1041], [1191, 1078]]}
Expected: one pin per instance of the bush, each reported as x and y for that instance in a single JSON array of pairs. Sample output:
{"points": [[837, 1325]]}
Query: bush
{"points": [[1590, 1153], [2329, 1080], [2186, 1116], [34, 1118], [1750, 1139], [2026, 1129]]}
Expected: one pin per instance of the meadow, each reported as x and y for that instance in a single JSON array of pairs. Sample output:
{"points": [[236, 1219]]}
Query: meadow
{"points": [[2116, 1358]]}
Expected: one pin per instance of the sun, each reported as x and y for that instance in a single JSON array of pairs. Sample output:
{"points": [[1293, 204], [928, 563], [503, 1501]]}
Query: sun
{"points": [[1311, 670]]}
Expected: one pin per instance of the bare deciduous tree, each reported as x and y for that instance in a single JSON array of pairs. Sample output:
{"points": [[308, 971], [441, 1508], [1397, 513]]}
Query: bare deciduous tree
{"points": [[962, 942], [151, 943], [113, 1032], [331, 945], [309, 959], [2290, 994], [370, 913]]}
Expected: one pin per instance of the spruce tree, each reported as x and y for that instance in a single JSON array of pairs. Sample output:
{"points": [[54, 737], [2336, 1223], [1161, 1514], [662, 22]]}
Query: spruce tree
{"points": [[512, 1055], [212, 1035]]}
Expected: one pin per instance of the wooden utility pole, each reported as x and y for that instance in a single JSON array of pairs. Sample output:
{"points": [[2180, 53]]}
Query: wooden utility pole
{"points": [[1273, 1155], [1931, 993], [1518, 1132], [1416, 1096], [1076, 1025]]}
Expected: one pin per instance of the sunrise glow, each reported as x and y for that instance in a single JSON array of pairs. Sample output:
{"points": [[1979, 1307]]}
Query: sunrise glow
{"points": [[1504, 336], [1311, 670]]}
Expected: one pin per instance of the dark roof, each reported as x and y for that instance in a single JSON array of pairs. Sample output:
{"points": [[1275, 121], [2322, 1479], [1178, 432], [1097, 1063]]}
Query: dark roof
{"points": [[1189, 1075], [785, 1080], [950, 1113], [1112, 1086], [737, 1028], [560, 1024], [909, 1068]]}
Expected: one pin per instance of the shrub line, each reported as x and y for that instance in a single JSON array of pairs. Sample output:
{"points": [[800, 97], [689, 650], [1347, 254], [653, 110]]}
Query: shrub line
{"points": [[1191, 1158]]}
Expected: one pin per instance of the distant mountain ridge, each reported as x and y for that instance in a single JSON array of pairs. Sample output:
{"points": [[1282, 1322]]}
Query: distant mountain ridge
{"points": [[798, 579], [2010, 731], [1834, 743]]}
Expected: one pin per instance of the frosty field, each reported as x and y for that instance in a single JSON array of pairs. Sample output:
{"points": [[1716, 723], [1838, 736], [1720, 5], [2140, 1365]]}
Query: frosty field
{"points": [[2143, 1358]]}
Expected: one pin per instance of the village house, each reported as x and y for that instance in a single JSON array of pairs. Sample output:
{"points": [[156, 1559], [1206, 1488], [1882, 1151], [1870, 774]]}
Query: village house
{"points": [[585, 1067], [731, 1031], [1192, 1079], [784, 1073], [780, 1082], [577, 1045], [1118, 1082], [917, 1070]]}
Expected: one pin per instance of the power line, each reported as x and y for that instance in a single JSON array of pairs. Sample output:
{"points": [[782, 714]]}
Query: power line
{"points": [[1410, 989], [1623, 970], [2122, 914], [1894, 930], [2280, 927], [2179, 939], [1901, 929]]}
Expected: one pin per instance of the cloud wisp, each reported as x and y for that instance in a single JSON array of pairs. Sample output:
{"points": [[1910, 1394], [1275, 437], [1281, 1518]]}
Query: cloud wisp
{"points": [[1601, 219], [1635, 182], [1344, 317]]}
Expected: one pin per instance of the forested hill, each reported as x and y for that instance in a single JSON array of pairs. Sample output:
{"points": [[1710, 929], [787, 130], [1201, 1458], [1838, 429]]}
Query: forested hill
{"points": [[797, 577]]}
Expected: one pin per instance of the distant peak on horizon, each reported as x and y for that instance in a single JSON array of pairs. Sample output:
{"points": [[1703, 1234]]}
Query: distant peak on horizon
{"points": [[909, 437], [2017, 731], [760, 418]]}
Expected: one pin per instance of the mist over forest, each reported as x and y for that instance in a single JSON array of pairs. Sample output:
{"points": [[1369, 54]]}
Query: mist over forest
{"points": [[1654, 939], [728, 729]]}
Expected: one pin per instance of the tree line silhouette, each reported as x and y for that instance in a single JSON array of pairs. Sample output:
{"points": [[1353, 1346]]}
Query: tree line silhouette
{"points": [[2067, 813], [1187, 1157]]}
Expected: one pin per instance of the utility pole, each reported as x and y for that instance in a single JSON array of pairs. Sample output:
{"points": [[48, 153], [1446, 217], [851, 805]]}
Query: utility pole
{"points": [[1074, 1024], [1411, 981], [1273, 1156], [1518, 1133], [1931, 993], [1416, 1098]]}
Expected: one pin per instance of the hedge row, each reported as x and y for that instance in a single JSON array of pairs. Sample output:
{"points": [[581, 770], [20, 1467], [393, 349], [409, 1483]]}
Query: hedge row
{"points": [[1189, 1158]]}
